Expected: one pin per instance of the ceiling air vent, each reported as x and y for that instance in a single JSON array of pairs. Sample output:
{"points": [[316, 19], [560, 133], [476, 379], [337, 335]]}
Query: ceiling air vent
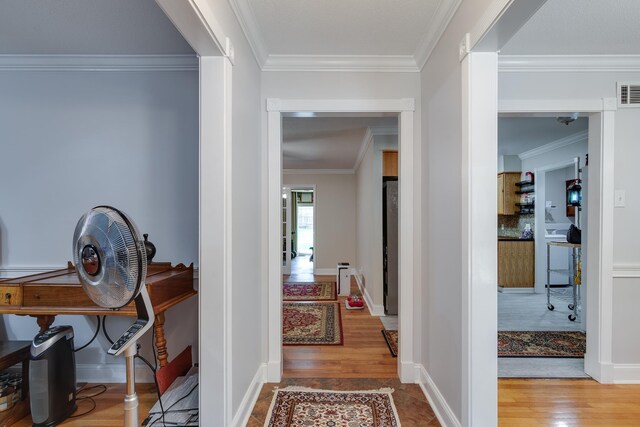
{"points": [[629, 95]]}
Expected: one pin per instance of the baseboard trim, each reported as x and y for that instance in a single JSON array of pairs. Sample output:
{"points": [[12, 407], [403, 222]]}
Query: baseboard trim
{"points": [[108, 373], [440, 407], [273, 372], [374, 310], [325, 271], [243, 413], [516, 290]]}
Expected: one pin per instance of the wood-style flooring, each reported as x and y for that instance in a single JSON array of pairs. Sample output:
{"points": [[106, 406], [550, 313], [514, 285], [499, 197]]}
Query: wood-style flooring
{"points": [[109, 408], [362, 363], [364, 354], [546, 402]]}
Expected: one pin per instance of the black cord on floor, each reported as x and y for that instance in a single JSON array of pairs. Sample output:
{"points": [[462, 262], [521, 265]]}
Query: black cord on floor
{"points": [[93, 338], [104, 329], [102, 391], [85, 412], [155, 379]]}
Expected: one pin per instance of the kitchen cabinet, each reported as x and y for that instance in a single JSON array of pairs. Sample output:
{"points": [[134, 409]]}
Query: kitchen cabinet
{"points": [[516, 263], [507, 197], [390, 163]]}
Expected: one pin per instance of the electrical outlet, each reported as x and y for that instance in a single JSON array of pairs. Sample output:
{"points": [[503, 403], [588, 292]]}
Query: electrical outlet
{"points": [[620, 197]]}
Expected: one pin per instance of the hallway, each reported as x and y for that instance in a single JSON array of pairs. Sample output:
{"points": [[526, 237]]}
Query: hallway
{"points": [[362, 363]]}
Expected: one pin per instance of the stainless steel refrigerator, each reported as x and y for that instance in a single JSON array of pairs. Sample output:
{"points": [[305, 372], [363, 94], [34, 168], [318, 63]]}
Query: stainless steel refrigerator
{"points": [[390, 244]]}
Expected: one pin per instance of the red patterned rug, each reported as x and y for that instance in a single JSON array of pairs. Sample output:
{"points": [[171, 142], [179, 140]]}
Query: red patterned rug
{"points": [[300, 291], [541, 344], [391, 337], [298, 406], [309, 323]]}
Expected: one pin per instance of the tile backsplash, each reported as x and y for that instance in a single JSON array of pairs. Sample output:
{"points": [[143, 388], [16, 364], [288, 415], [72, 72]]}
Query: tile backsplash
{"points": [[514, 224]]}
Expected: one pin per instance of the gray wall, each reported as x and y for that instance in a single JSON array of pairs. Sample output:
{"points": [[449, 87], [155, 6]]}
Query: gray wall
{"points": [[72, 140]]}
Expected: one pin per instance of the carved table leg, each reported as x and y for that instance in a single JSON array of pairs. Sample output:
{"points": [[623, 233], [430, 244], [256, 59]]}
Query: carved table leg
{"points": [[161, 342], [45, 322]]}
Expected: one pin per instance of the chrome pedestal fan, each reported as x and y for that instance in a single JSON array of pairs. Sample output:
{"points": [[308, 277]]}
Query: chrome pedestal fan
{"points": [[111, 262]]}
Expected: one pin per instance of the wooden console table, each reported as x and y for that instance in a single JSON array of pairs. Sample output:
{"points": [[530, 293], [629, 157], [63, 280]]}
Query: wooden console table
{"points": [[58, 292]]}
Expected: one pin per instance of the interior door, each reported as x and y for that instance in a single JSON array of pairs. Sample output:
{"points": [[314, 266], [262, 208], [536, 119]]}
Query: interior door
{"points": [[286, 230]]}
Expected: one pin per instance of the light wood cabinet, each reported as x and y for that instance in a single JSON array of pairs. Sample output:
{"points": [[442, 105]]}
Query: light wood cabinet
{"points": [[516, 263], [390, 163], [507, 197]]}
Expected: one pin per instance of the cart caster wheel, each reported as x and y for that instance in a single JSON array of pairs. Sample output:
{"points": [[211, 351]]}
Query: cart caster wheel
{"points": [[570, 306], [572, 317], [550, 307]]}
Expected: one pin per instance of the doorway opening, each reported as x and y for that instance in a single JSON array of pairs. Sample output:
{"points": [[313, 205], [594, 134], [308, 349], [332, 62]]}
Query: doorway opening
{"points": [[336, 232], [541, 274], [302, 234]]}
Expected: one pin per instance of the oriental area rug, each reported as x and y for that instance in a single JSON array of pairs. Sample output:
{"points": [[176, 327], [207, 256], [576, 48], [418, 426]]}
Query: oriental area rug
{"points": [[311, 323], [299, 406], [541, 344], [391, 337], [300, 291]]}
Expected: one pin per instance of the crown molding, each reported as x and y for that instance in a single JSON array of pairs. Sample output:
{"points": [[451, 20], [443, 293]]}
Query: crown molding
{"points": [[441, 19], [370, 63], [367, 140], [99, 63], [562, 142], [251, 29], [318, 171], [568, 63]]}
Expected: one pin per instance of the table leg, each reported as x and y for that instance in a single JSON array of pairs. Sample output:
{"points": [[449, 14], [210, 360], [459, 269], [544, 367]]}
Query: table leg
{"points": [[45, 322], [161, 342]]}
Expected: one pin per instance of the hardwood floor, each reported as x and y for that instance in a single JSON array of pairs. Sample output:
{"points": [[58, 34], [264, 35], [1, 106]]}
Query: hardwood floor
{"points": [[108, 412], [545, 402], [364, 354]]}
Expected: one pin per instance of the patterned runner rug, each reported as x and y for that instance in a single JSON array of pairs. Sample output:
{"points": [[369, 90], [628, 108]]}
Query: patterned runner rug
{"points": [[300, 291], [391, 337], [309, 323], [299, 406], [541, 344]]}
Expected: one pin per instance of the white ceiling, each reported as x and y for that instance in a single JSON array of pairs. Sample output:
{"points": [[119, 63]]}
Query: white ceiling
{"points": [[82, 27], [326, 142], [519, 134], [389, 30], [580, 27]]}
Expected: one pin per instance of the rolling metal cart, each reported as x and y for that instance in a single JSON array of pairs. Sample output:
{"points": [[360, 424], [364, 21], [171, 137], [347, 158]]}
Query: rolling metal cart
{"points": [[573, 272]]}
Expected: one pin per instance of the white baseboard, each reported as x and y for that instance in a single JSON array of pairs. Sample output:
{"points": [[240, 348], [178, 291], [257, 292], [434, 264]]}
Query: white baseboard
{"points": [[274, 372], [374, 310], [613, 373], [325, 271], [440, 407], [243, 413], [107, 373], [516, 290]]}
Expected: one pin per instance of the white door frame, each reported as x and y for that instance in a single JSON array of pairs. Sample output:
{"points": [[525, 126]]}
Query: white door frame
{"points": [[600, 209], [196, 22], [408, 285], [313, 187]]}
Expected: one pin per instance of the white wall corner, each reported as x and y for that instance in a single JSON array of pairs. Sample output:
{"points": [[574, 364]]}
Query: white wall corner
{"points": [[408, 104], [611, 104], [364, 146], [438, 403], [241, 418], [273, 371], [251, 29], [374, 310], [441, 19]]}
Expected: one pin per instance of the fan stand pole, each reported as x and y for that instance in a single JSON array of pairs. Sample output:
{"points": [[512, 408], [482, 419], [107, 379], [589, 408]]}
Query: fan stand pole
{"points": [[131, 398]]}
